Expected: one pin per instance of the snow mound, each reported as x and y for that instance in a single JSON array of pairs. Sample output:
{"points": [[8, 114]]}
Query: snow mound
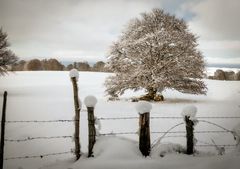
{"points": [[189, 111], [74, 73], [116, 148], [143, 107], [167, 148], [90, 101]]}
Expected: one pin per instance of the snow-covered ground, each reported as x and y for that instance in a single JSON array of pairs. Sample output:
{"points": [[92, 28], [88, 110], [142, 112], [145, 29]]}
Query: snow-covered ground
{"points": [[48, 96]]}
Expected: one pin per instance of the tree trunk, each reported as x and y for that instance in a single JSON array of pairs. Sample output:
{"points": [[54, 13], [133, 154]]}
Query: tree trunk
{"points": [[151, 93]]}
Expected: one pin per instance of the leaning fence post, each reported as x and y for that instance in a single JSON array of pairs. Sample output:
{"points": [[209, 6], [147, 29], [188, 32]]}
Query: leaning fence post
{"points": [[74, 75], [3, 129], [90, 102], [144, 109], [189, 115]]}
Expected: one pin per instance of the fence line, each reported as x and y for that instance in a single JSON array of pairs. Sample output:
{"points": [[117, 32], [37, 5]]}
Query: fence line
{"points": [[200, 132], [218, 145], [119, 118], [117, 133], [120, 133], [168, 117], [41, 121], [38, 156], [113, 133], [36, 138]]}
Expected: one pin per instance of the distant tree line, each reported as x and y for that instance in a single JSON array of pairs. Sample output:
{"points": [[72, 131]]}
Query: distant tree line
{"points": [[55, 65], [225, 75]]}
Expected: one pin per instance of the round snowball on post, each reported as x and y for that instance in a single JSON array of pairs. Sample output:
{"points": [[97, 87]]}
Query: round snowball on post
{"points": [[74, 73], [143, 107], [90, 101], [189, 111]]}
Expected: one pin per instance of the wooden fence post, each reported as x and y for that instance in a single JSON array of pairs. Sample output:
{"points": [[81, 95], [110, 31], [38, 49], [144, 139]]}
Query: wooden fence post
{"points": [[189, 115], [90, 102], [91, 131], [144, 135], [74, 77], [144, 109], [3, 129], [190, 135]]}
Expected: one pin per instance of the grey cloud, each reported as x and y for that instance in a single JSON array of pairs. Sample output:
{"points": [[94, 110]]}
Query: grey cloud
{"points": [[84, 29], [216, 23], [216, 19], [53, 26]]}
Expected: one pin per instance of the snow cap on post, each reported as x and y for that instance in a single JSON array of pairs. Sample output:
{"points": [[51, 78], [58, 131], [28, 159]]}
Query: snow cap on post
{"points": [[90, 101], [74, 73], [189, 111], [143, 107]]}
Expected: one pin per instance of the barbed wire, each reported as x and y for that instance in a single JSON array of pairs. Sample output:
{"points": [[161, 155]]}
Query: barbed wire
{"points": [[170, 132], [167, 117], [213, 131], [111, 133], [117, 133], [220, 117], [158, 140], [203, 131], [225, 129], [117, 118], [173, 136], [38, 156], [212, 145], [41, 121], [36, 138]]}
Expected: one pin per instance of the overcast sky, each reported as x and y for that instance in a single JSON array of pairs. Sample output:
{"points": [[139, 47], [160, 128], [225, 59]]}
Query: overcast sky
{"points": [[74, 30]]}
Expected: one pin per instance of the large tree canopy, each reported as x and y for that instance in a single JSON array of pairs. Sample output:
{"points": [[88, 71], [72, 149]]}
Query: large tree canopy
{"points": [[7, 57], [155, 52]]}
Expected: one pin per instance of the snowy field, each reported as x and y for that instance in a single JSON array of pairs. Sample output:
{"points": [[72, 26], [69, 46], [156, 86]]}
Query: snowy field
{"points": [[48, 96]]}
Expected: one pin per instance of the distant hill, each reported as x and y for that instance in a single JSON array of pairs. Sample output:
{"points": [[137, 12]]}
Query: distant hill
{"points": [[224, 65]]}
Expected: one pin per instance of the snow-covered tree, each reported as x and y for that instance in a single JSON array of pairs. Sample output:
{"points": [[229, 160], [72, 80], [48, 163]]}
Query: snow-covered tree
{"points": [[7, 57], [155, 52]]}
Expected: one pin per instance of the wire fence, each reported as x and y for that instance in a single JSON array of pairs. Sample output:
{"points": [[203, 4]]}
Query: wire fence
{"points": [[175, 133], [41, 121], [167, 117], [38, 156], [118, 118], [37, 138]]}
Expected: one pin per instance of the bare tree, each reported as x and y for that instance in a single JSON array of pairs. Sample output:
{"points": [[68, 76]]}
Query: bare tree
{"points": [[7, 57], [156, 52]]}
